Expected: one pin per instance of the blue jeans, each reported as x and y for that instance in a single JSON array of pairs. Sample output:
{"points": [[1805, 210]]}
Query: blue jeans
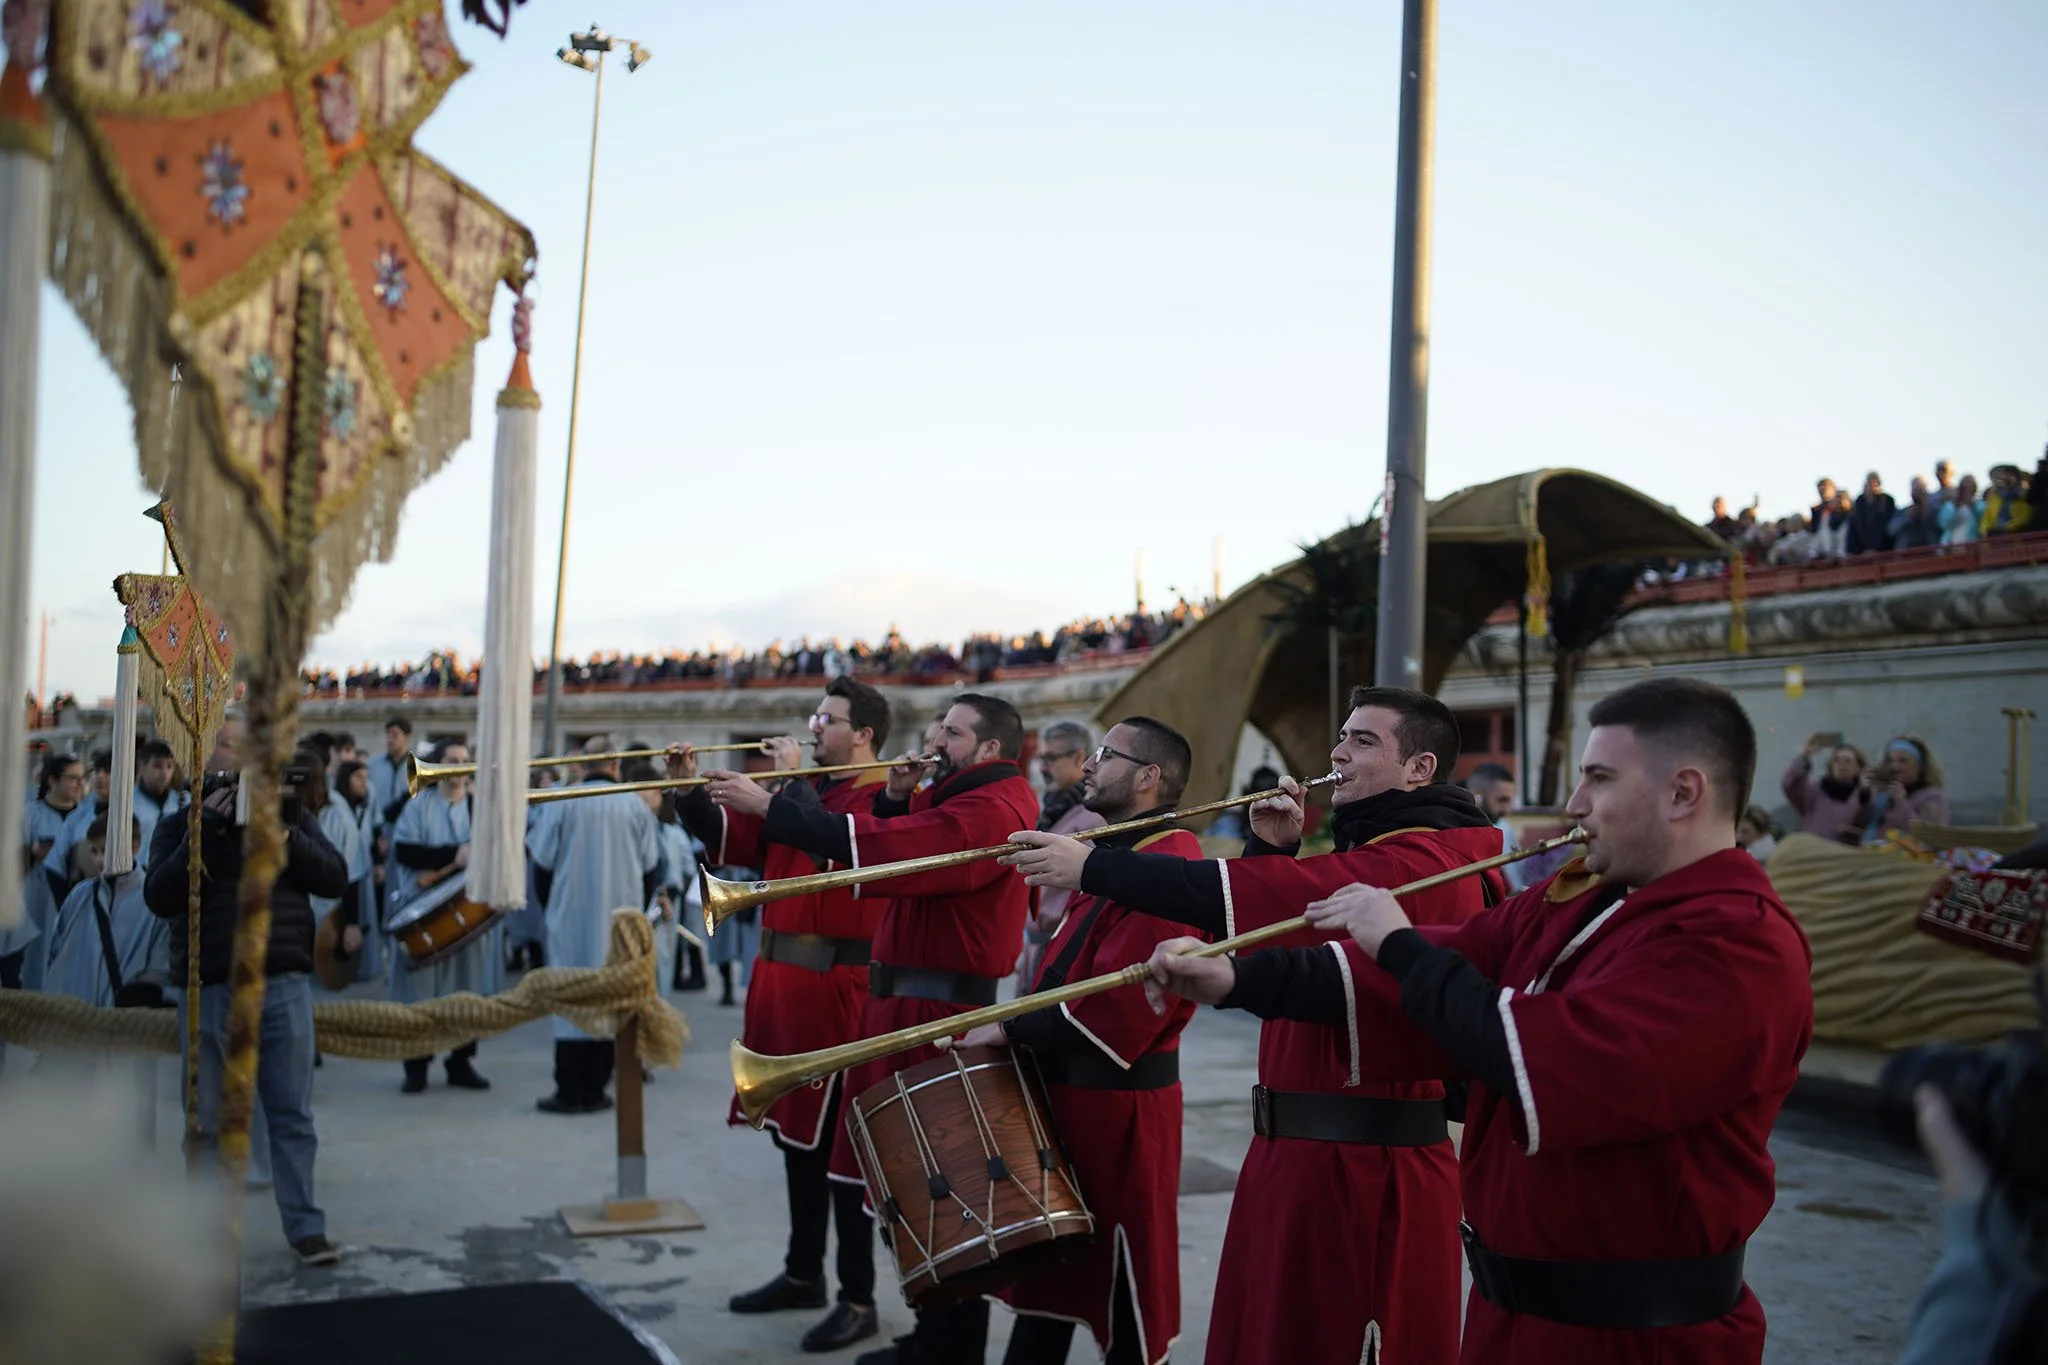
{"points": [[284, 1091]]}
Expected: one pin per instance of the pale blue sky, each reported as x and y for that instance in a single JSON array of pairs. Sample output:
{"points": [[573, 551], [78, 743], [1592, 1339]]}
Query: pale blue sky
{"points": [[1019, 288]]}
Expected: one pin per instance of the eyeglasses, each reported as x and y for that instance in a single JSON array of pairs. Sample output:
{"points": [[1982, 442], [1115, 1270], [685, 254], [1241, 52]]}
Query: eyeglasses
{"points": [[825, 720], [1105, 753]]}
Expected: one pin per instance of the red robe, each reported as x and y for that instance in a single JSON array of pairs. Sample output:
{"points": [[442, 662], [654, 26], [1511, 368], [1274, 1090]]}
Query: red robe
{"points": [[1386, 1282], [967, 919], [1651, 1053], [1125, 1144], [794, 1009]]}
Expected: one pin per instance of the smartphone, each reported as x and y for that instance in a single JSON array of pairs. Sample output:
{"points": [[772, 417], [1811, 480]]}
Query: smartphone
{"points": [[1831, 738]]}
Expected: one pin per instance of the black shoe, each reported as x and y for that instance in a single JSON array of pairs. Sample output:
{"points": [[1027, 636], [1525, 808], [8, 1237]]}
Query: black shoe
{"points": [[843, 1326], [317, 1251], [727, 999], [892, 1354], [778, 1294], [557, 1104], [415, 1078], [463, 1076]]}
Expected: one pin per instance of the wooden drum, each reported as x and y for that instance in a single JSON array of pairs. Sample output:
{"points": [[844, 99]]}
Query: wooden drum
{"points": [[966, 1173], [438, 921]]}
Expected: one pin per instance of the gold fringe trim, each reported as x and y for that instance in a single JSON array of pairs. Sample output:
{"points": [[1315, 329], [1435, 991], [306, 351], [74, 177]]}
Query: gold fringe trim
{"points": [[27, 138], [108, 275], [1536, 595], [518, 398], [1738, 606]]}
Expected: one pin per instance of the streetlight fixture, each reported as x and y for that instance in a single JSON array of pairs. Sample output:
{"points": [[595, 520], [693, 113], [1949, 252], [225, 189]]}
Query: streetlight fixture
{"points": [[586, 52]]}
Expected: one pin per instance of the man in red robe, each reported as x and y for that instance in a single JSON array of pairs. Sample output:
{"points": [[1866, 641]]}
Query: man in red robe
{"points": [[1334, 1144], [807, 992], [945, 940], [1112, 1070], [1629, 1028]]}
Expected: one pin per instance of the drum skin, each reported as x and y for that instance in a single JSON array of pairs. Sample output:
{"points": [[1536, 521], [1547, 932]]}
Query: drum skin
{"points": [[963, 1167]]}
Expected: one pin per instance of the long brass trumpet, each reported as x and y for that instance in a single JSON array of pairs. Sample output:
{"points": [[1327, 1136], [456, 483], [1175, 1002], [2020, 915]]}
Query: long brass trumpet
{"points": [[723, 899], [760, 1080], [418, 774], [541, 798]]}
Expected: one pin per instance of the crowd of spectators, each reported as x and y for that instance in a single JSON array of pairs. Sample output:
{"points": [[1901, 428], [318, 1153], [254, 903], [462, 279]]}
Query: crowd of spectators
{"points": [[979, 656], [1944, 511]]}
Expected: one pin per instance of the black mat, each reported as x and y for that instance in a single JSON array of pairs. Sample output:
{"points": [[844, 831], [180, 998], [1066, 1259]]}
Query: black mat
{"points": [[501, 1324]]}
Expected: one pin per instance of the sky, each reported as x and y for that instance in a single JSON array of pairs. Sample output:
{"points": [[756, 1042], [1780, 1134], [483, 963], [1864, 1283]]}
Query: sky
{"points": [[937, 315]]}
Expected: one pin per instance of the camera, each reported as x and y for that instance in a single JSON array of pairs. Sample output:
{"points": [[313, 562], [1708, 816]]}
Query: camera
{"points": [[291, 783]]}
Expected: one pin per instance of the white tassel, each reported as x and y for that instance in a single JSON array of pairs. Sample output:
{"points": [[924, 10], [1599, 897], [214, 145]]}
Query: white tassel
{"points": [[24, 247], [504, 719], [121, 786]]}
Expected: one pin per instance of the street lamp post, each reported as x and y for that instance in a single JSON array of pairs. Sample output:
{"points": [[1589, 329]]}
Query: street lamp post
{"points": [[586, 52]]}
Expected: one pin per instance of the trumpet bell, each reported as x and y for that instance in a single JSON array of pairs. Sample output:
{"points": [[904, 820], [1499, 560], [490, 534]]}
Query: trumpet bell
{"points": [[724, 899]]}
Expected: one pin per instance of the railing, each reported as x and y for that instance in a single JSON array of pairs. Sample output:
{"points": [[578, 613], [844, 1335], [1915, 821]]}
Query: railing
{"points": [[1855, 571]]}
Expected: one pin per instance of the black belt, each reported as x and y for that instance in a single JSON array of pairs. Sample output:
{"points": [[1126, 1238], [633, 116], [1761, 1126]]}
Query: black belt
{"points": [[923, 983], [814, 952], [1614, 1294], [1094, 1071], [1348, 1118]]}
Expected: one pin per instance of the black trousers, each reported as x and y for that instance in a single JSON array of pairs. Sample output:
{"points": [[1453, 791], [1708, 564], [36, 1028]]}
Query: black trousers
{"points": [[816, 1199], [463, 1053], [1046, 1341], [583, 1068], [955, 1335]]}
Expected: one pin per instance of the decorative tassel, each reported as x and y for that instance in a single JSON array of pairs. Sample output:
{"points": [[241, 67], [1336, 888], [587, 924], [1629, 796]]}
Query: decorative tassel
{"points": [[24, 247], [1536, 596], [121, 786], [1738, 606], [504, 720]]}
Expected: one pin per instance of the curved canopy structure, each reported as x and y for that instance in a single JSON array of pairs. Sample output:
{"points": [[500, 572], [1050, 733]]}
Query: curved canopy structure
{"points": [[1262, 656]]}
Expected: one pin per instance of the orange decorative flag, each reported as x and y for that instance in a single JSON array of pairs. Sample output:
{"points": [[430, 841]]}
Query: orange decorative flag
{"points": [[199, 152]]}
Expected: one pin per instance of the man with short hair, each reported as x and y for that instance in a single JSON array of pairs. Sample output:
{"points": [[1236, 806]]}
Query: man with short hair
{"points": [[1493, 787], [945, 939], [388, 798], [810, 983], [1063, 750], [1335, 1145], [591, 856], [429, 846], [155, 796], [57, 866], [1630, 1030], [1111, 1065]]}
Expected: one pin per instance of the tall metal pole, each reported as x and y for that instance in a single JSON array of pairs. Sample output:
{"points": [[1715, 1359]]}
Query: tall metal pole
{"points": [[1397, 659], [549, 744]]}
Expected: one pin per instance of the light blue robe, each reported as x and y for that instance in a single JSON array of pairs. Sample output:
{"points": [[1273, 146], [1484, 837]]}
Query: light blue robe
{"points": [[599, 850], [149, 811], [387, 784], [70, 836], [38, 901], [364, 824], [678, 870], [530, 924], [142, 942], [476, 966]]}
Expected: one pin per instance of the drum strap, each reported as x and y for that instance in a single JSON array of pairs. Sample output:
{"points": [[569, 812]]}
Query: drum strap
{"points": [[815, 952], [1055, 974], [1347, 1118], [1094, 1071], [1639, 1295], [886, 981]]}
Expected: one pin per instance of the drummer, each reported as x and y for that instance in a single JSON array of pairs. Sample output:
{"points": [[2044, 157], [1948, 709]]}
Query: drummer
{"points": [[1112, 1071], [430, 858]]}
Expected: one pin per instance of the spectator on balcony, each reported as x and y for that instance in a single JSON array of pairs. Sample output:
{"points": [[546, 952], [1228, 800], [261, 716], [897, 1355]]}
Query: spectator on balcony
{"points": [[1830, 526], [1723, 525], [1833, 807], [1870, 518], [1944, 490], [1918, 524], [1962, 514], [1823, 510], [1905, 787], [1795, 542], [2006, 508]]}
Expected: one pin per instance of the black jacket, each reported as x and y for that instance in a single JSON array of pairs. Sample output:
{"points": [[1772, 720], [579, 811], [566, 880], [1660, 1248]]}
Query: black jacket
{"points": [[312, 867]]}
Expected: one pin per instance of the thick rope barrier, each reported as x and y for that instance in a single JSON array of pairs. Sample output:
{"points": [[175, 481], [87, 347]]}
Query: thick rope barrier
{"points": [[598, 1000]]}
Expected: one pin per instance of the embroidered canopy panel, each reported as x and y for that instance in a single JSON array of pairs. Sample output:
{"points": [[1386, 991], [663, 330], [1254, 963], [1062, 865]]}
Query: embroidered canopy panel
{"points": [[200, 154]]}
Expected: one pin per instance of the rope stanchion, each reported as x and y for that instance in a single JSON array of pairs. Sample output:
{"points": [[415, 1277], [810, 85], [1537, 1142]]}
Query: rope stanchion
{"points": [[598, 1000]]}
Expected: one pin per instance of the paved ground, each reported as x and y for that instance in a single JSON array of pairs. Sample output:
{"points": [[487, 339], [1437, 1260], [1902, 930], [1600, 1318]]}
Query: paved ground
{"points": [[452, 1188]]}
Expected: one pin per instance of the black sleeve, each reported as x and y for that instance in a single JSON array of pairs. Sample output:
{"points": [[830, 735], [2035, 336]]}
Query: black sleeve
{"points": [[1184, 890], [543, 883], [1255, 847], [889, 807], [345, 913], [395, 809], [650, 882], [425, 857], [312, 864], [1303, 984], [163, 889], [1452, 999], [808, 826], [1046, 1030], [701, 817]]}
